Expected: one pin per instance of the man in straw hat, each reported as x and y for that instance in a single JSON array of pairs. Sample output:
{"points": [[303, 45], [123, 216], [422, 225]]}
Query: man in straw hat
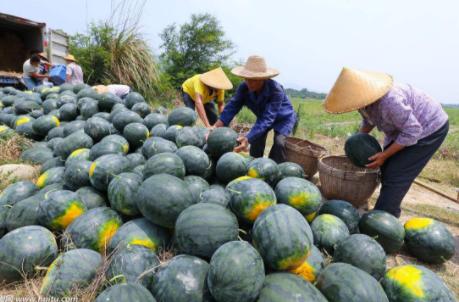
{"points": [[413, 123], [74, 71], [267, 99], [201, 90]]}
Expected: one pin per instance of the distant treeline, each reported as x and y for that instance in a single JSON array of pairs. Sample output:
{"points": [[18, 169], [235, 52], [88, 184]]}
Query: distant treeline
{"points": [[304, 93]]}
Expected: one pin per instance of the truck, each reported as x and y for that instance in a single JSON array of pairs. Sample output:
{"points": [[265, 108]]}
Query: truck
{"points": [[19, 39]]}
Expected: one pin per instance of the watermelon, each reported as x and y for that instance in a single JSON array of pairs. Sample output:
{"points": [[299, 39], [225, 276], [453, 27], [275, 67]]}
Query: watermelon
{"points": [[195, 160], [88, 108], [67, 112], [361, 146], [37, 155], [66, 87], [183, 279], [23, 249], [154, 119], [343, 210], [105, 148], [86, 92], [121, 193], [24, 107], [36, 114], [429, 240], [156, 145], [117, 109], [215, 194], [286, 287], [220, 141], [72, 270], [103, 169], [289, 169], [140, 232], [108, 100], [385, 228], [264, 168], [91, 197], [159, 130], [93, 229], [76, 174], [129, 265], [162, 197], [23, 213], [410, 283], [344, 282], [299, 193], [202, 228], [43, 124], [103, 115], [126, 292], [6, 132], [328, 231], [123, 118], [97, 128], [362, 252], [141, 109], [77, 155], [17, 192], [27, 131], [59, 209], [55, 132], [73, 126], [182, 116], [50, 176], [311, 267], [133, 98], [120, 140], [189, 136], [164, 163], [138, 170], [135, 159], [236, 272], [136, 134], [73, 142], [4, 210], [250, 197], [53, 142], [171, 132], [282, 236], [196, 185], [231, 166]]}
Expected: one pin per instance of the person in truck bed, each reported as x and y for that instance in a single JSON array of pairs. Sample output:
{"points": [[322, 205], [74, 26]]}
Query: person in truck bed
{"points": [[31, 72]]}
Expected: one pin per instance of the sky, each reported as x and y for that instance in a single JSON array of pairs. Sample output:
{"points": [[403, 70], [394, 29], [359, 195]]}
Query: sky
{"points": [[309, 41]]}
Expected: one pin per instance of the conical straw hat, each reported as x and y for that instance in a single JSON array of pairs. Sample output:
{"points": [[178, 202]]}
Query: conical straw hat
{"points": [[255, 68], [70, 57], [100, 88], [355, 89], [216, 78]]}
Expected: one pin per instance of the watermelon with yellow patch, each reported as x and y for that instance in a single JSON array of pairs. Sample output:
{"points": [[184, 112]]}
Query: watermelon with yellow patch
{"points": [[140, 232], [328, 231], [77, 155], [429, 240], [94, 229], [299, 193], [59, 209], [53, 175], [415, 283], [250, 197], [45, 123], [264, 168], [282, 236], [6, 132], [311, 267], [103, 169]]}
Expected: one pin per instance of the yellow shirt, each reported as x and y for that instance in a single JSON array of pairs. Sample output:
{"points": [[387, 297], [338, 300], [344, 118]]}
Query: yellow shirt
{"points": [[194, 86]]}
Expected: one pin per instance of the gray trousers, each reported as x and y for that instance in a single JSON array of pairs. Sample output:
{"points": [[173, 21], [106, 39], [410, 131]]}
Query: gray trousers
{"points": [[277, 153], [400, 170]]}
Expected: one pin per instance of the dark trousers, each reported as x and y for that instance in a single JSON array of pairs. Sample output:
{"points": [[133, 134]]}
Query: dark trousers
{"points": [[400, 170], [277, 153], [211, 111]]}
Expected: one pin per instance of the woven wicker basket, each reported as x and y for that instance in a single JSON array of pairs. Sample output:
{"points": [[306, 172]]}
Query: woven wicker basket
{"points": [[340, 179], [304, 153]]}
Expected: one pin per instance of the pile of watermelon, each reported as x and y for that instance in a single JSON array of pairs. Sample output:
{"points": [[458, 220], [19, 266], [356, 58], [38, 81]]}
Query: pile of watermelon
{"points": [[122, 184]]}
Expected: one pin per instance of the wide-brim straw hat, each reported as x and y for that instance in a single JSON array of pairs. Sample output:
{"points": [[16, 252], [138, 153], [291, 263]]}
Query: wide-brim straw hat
{"points": [[43, 56], [100, 88], [356, 89], [255, 68], [216, 78], [70, 57]]}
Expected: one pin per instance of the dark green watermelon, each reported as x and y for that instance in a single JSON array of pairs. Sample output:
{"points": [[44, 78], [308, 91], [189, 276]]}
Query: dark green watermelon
{"points": [[156, 145], [362, 252], [97, 128], [133, 98], [53, 142], [105, 148], [182, 116], [73, 126], [311, 267], [50, 176], [23, 213], [108, 100], [195, 160], [121, 193], [385, 228], [24, 107], [154, 119], [289, 169], [250, 197], [17, 192], [189, 136], [264, 168], [136, 159], [43, 124], [344, 282], [76, 174], [429, 240], [78, 87], [72, 270], [74, 141], [215, 194], [282, 236], [141, 109], [343, 210], [77, 155], [106, 167], [123, 118], [88, 109], [159, 130], [56, 132], [415, 283], [23, 249], [67, 112], [171, 132], [91, 197], [162, 197], [196, 185], [220, 141], [286, 287], [299, 193], [167, 163], [328, 231], [136, 134], [140, 232], [361, 146], [131, 292], [230, 166], [37, 155], [236, 272], [86, 92], [94, 229], [182, 279]]}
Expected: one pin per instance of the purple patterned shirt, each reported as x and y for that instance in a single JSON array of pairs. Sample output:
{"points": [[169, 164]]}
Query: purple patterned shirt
{"points": [[405, 115]]}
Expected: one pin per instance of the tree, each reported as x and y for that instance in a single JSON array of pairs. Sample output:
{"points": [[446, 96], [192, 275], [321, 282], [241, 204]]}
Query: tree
{"points": [[193, 48]]}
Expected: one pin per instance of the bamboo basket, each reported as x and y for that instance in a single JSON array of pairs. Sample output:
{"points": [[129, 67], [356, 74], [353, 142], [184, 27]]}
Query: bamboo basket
{"points": [[304, 153], [340, 179]]}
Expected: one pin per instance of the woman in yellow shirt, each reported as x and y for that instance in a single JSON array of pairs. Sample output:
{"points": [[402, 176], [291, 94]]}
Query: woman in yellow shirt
{"points": [[201, 90]]}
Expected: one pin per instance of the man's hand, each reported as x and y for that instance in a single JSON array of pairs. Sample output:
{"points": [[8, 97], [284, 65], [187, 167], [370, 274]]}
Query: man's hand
{"points": [[243, 144], [377, 160]]}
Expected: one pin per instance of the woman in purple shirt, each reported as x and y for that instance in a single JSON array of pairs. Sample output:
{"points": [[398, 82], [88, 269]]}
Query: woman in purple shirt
{"points": [[267, 99], [414, 125]]}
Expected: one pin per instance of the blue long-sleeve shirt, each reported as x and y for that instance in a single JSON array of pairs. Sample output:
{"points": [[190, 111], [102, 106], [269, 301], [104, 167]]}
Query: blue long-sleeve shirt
{"points": [[271, 106]]}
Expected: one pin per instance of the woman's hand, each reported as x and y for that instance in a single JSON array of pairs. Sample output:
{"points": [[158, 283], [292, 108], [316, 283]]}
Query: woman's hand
{"points": [[377, 160], [243, 144]]}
